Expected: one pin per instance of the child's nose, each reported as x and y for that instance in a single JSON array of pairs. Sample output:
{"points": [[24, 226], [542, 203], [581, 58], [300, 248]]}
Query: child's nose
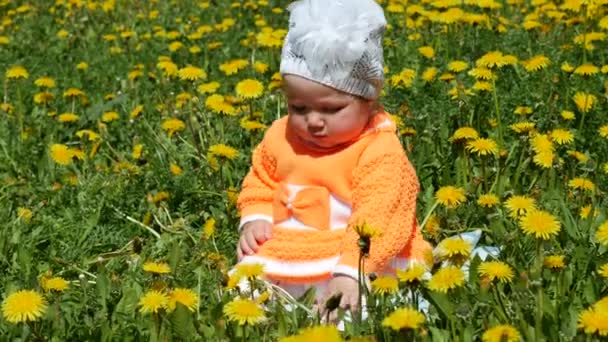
{"points": [[314, 121]]}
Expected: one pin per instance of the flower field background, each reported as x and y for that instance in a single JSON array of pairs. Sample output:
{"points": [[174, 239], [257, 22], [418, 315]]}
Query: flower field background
{"points": [[127, 127]]}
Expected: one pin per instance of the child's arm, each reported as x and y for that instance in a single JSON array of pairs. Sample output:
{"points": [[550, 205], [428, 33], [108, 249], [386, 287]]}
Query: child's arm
{"points": [[257, 194], [384, 197]]}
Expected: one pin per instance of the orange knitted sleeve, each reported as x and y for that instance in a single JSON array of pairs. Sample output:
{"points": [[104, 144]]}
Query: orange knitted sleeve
{"points": [[257, 194], [385, 188]]}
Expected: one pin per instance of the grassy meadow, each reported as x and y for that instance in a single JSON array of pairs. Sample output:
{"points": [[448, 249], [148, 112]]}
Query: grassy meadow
{"points": [[127, 126]]}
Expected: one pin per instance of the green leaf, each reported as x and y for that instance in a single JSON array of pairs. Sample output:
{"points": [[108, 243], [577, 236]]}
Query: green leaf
{"points": [[441, 302], [181, 322], [438, 335]]}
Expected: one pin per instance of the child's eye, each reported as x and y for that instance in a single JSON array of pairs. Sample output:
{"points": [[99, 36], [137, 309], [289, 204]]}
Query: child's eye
{"points": [[332, 110], [298, 109]]}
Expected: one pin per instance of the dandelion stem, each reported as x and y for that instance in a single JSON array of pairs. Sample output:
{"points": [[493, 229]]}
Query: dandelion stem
{"points": [[428, 215], [497, 109]]}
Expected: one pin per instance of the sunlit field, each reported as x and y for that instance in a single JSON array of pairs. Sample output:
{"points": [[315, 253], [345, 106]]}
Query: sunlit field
{"points": [[127, 126]]}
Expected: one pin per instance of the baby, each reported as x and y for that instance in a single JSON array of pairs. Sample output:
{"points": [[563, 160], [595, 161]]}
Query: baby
{"points": [[334, 162]]}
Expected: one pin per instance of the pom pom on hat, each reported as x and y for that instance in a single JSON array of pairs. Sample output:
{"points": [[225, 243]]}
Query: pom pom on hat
{"points": [[337, 43]]}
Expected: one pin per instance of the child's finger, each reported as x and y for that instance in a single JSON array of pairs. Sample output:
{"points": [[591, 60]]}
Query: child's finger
{"points": [[268, 231], [259, 235], [245, 246], [252, 243], [239, 253]]}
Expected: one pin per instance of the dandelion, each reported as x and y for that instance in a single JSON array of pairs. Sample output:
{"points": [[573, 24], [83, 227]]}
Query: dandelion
{"points": [[404, 318], [601, 235], [17, 72], [224, 151], [488, 200], [450, 196], [584, 101], [536, 63], [518, 205], [523, 127], [522, 110], [586, 69], [385, 285], [249, 89], [496, 270], [153, 301], [191, 73], [446, 278], [457, 250], [317, 333], [110, 116], [186, 297], [244, 311], [23, 306], [561, 136], [173, 125], [580, 183], [603, 271], [566, 67], [603, 131], [157, 267], [464, 133], [45, 82], [413, 274], [581, 157], [491, 59], [61, 154], [481, 73], [208, 88], [67, 117], [427, 52], [567, 115], [482, 146], [593, 321], [73, 92], [554, 262], [539, 223], [175, 169], [249, 271], [501, 333], [429, 74], [54, 284]]}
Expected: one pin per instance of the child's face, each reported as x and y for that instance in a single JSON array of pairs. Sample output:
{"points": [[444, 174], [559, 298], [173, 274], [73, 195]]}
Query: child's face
{"points": [[322, 116]]}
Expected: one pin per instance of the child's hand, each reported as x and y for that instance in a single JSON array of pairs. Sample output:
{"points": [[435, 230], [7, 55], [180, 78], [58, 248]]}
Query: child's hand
{"points": [[349, 288], [253, 235]]}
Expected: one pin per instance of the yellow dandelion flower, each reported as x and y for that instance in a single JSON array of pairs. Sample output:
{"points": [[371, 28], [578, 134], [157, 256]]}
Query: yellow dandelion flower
{"points": [[481, 73], [208, 88], [61, 154], [153, 301], [581, 157], [566, 67], [250, 271], [175, 169], [244, 311], [54, 284], [587, 210], [429, 74], [554, 262], [260, 67], [536, 63], [518, 205], [186, 297], [491, 59], [450, 196], [323, 333], [496, 270], [561, 136], [523, 127], [601, 235], [464, 133], [454, 249], [603, 131], [173, 125], [427, 51], [458, 66], [385, 285], [522, 110], [567, 115], [488, 200], [433, 227], [67, 117], [45, 82], [501, 333], [593, 321], [482, 86], [541, 143], [580, 183], [24, 214], [17, 72], [191, 73], [224, 151], [446, 278], [23, 306], [586, 69], [73, 92], [584, 101], [110, 116], [209, 228], [482, 146], [233, 66], [540, 223], [404, 318], [249, 89], [413, 274], [157, 267], [603, 271]]}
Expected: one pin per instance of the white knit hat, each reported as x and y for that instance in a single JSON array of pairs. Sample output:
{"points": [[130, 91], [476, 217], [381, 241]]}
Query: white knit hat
{"points": [[337, 43]]}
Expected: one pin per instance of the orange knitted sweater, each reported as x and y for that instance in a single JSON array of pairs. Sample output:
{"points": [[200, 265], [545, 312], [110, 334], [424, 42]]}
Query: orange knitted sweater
{"points": [[313, 199]]}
